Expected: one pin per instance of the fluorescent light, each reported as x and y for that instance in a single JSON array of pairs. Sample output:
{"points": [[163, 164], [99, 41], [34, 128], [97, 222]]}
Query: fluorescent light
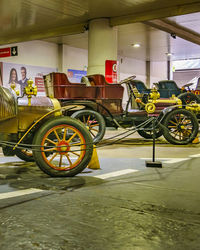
{"points": [[169, 54], [135, 45]]}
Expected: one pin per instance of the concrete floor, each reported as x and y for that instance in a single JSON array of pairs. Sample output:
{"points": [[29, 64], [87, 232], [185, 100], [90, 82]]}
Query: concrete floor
{"points": [[123, 205]]}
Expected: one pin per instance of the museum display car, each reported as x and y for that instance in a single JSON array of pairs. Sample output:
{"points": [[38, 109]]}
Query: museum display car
{"points": [[100, 105], [34, 128]]}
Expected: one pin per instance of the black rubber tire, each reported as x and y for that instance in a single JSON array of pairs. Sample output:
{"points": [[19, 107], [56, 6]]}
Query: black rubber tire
{"points": [[23, 155], [95, 116], [172, 130], [188, 97], [148, 134], [8, 151], [45, 129]]}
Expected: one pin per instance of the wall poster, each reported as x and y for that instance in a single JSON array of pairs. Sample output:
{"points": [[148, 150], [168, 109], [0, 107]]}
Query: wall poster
{"points": [[75, 75], [20, 73]]}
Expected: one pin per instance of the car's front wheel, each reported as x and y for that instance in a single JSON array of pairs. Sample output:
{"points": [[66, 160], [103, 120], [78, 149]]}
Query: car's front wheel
{"points": [[62, 147]]}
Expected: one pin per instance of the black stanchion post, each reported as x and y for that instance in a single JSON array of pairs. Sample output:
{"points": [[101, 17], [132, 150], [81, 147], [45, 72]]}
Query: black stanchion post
{"points": [[153, 163]]}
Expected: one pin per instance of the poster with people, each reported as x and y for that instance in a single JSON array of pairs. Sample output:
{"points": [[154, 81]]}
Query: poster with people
{"points": [[19, 74]]}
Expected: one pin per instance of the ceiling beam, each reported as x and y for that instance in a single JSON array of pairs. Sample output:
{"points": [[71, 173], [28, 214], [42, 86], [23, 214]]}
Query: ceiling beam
{"points": [[176, 29], [41, 33], [180, 9]]}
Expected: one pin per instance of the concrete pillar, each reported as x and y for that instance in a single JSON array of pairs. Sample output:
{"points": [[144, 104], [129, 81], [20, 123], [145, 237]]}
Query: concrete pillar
{"points": [[60, 57], [169, 70], [148, 73], [102, 45]]}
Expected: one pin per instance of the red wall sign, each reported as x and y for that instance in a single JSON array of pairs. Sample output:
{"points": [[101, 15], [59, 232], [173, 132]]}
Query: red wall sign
{"points": [[10, 51], [111, 71], [5, 52]]}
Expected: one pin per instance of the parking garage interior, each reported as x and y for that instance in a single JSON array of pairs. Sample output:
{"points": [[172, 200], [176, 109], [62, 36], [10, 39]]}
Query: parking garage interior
{"points": [[117, 201]]}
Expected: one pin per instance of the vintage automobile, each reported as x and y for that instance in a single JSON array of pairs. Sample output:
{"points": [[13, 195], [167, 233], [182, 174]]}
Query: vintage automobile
{"points": [[100, 105], [34, 128], [167, 88]]}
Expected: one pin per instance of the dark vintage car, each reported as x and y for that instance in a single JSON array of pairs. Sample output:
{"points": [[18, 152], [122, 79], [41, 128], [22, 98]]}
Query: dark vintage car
{"points": [[167, 88], [35, 129], [100, 105]]}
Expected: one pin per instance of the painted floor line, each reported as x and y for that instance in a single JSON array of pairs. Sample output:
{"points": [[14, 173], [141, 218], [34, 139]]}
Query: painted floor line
{"points": [[194, 156], [116, 173], [176, 160], [19, 193]]}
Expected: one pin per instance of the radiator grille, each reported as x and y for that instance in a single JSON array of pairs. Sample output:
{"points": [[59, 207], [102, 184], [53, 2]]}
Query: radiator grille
{"points": [[7, 104]]}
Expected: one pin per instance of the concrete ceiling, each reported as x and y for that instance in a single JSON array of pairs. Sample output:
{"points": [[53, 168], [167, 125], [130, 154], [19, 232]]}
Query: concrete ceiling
{"points": [[25, 20], [155, 43]]}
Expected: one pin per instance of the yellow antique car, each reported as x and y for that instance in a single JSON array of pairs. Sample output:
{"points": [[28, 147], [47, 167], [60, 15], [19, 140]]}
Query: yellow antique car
{"points": [[34, 128]]}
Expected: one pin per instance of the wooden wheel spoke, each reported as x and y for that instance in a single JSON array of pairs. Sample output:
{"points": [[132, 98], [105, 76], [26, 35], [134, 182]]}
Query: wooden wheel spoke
{"points": [[75, 153], [176, 119], [64, 134], [88, 120], [70, 162], [96, 130], [175, 133], [54, 155], [94, 125], [56, 134], [92, 133], [49, 149], [76, 144], [72, 137], [84, 120], [180, 135], [180, 119], [184, 120], [47, 139], [173, 122], [60, 162]]}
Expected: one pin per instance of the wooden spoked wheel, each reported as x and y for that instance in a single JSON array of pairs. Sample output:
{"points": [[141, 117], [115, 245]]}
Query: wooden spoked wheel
{"points": [[182, 127], [63, 147], [93, 121]]}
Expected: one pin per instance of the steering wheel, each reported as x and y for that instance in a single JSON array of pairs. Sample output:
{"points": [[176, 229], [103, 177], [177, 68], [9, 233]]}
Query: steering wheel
{"points": [[188, 85], [125, 81]]}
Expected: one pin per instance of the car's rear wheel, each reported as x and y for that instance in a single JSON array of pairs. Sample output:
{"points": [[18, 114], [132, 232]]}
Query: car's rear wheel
{"points": [[93, 121], [147, 130], [188, 98], [181, 127]]}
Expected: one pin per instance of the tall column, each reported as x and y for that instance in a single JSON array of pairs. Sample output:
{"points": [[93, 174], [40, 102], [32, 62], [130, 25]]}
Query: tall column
{"points": [[60, 57], [148, 73], [102, 45], [169, 70]]}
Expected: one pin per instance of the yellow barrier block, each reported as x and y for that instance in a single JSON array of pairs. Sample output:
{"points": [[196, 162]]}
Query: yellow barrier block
{"points": [[94, 163], [196, 140]]}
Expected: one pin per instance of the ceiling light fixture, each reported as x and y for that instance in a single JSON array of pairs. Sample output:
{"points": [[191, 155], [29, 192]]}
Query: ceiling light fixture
{"points": [[169, 54], [135, 45]]}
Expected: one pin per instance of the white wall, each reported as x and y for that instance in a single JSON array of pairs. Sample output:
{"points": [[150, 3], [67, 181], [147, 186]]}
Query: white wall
{"points": [[36, 53], [158, 72], [41, 53], [129, 66], [74, 58]]}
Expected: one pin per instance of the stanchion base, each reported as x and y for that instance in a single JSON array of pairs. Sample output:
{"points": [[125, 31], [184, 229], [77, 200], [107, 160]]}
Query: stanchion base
{"points": [[153, 164]]}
